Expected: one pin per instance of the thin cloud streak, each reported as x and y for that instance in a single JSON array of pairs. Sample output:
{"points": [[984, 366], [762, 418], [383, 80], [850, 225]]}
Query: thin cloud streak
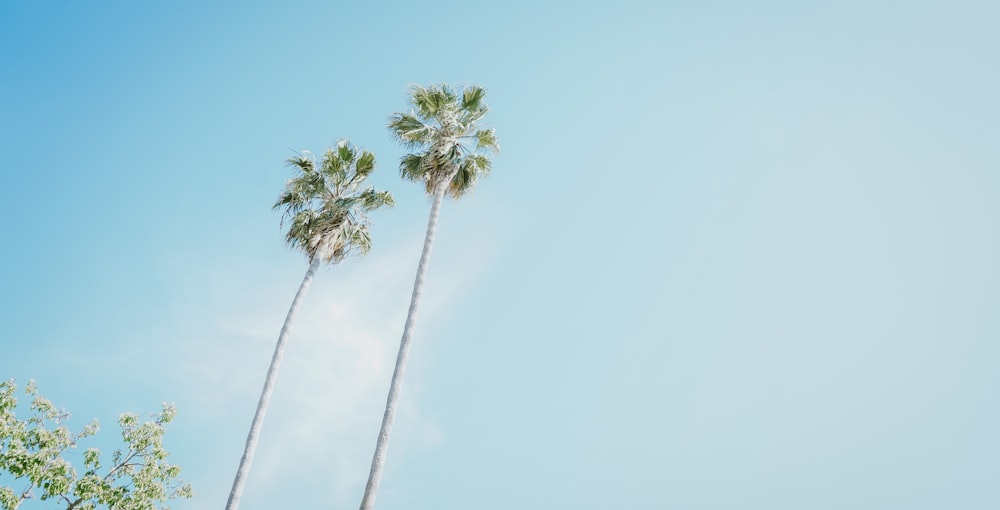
{"points": [[330, 392]]}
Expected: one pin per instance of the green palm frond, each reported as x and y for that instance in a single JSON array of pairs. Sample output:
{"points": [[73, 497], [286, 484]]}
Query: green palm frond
{"points": [[472, 97], [300, 230], [467, 119], [333, 167], [409, 130], [372, 199], [449, 146], [361, 239], [464, 179], [303, 163], [291, 201], [481, 165], [432, 101], [345, 152], [487, 139], [365, 165], [327, 209], [469, 172], [411, 167]]}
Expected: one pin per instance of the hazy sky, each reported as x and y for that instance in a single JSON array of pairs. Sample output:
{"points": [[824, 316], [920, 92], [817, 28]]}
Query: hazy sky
{"points": [[733, 255]]}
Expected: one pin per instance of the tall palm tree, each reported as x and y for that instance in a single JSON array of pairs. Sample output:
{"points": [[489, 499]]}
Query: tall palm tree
{"points": [[449, 157], [326, 207]]}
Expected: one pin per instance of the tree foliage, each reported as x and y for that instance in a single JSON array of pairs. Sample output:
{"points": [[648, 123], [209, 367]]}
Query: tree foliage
{"points": [[325, 203], [442, 127], [34, 465]]}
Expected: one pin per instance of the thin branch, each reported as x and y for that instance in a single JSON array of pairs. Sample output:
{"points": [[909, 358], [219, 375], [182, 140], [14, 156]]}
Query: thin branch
{"points": [[131, 454]]}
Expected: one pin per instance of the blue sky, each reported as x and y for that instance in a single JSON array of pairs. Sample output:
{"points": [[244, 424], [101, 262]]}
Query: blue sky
{"points": [[732, 254]]}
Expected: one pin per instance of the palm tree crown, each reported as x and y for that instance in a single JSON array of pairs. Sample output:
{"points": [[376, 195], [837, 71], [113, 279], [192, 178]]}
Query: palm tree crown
{"points": [[326, 205], [442, 128]]}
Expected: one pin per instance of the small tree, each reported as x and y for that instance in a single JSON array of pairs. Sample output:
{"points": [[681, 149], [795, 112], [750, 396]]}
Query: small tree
{"points": [[33, 459]]}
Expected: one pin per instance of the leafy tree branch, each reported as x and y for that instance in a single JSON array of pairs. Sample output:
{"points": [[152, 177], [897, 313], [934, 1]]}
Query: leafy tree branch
{"points": [[33, 450]]}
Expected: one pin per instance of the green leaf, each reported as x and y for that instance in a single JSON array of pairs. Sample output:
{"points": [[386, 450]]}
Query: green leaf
{"points": [[472, 97], [33, 448], [409, 130], [411, 167], [345, 152], [487, 139], [304, 164], [365, 164]]}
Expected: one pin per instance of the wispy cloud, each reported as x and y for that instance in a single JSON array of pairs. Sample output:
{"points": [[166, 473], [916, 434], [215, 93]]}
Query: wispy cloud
{"points": [[331, 390]]}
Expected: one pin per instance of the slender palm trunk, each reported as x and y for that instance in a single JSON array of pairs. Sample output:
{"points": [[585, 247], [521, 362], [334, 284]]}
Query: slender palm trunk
{"points": [[378, 460], [265, 395]]}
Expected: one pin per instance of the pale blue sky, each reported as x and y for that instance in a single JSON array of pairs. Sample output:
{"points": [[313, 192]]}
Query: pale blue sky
{"points": [[733, 255]]}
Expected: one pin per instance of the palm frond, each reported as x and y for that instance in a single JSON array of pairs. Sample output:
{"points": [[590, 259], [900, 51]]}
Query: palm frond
{"points": [[486, 139], [333, 167], [345, 152], [299, 192], [409, 130], [361, 239], [341, 203], [411, 167], [300, 231], [462, 181], [430, 102], [291, 200], [365, 165], [386, 199], [472, 98], [421, 99], [304, 164], [372, 199], [481, 165], [468, 119]]}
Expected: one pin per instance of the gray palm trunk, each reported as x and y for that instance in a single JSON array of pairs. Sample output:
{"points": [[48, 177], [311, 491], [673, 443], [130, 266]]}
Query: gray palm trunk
{"points": [[378, 460], [265, 395]]}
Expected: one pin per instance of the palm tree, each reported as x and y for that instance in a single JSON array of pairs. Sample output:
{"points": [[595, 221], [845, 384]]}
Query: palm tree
{"points": [[326, 207], [449, 158]]}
